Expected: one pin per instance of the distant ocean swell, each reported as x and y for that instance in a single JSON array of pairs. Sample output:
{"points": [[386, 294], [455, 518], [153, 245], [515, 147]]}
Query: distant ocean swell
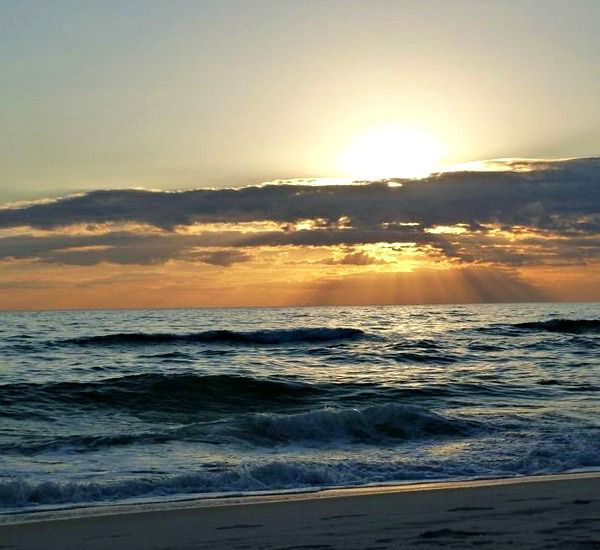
{"points": [[420, 351], [283, 336], [307, 336], [156, 391], [569, 326], [230, 393]]}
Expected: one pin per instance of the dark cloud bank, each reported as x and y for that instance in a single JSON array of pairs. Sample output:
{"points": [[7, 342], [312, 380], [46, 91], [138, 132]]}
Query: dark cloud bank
{"points": [[560, 201]]}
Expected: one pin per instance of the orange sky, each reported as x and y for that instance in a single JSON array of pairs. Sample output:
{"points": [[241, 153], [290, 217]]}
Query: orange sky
{"points": [[295, 276]]}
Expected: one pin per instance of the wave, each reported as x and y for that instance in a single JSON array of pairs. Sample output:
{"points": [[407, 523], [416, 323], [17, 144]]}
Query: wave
{"points": [[175, 356], [429, 358], [157, 393], [243, 478], [82, 443], [422, 351], [576, 326], [562, 453], [568, 326], [374, 425], [227, 337], [160, 391], [368, 425]]}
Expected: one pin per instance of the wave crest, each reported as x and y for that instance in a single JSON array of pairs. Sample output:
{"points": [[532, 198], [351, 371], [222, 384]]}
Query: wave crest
{"points": [[567, 326], [367, 425], [160, 391], [576, 326], [226, 337]]}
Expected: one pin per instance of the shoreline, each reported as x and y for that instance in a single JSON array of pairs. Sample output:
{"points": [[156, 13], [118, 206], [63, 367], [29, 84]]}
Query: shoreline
{"points": [[207, 500], [518, 509]]}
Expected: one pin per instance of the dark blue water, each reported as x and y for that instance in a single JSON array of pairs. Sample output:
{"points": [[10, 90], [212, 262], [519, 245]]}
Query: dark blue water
{"points": [[110, 405]]}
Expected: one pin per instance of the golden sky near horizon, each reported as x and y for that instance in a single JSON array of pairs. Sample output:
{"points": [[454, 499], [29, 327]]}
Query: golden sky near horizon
{"points": [[528, 234]]}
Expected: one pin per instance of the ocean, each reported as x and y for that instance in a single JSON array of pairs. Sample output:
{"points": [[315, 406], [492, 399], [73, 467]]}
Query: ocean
{"points": [[102, 407]]}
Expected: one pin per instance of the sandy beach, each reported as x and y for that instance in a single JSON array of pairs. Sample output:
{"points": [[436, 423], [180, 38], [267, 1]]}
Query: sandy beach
{"points": [[560, 511]]}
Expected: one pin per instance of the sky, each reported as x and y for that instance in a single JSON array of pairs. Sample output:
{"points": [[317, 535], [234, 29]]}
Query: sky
{"points": [[138, 136]]}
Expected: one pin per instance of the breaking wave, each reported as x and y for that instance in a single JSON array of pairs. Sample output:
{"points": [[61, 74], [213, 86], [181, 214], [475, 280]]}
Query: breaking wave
{"points": [[374, 425], [365, 425], [536, 457], [243, 478]]}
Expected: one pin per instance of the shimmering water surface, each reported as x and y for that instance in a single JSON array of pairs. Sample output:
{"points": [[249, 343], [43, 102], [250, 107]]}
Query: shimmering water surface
{"points": [[109, 405]]}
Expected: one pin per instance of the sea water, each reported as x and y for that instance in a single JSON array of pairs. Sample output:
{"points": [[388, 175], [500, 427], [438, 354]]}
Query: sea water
{"points": [[108, 406]]}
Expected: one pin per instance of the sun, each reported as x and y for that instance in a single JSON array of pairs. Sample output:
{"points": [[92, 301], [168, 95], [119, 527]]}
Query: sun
{"points": [[390, 151]]}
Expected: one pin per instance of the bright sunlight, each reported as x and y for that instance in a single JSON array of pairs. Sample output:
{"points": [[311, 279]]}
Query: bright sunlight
{"points": [[389, 151]]}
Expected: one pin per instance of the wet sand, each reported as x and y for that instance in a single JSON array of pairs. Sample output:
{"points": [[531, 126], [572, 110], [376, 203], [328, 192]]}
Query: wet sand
{"points": [[560, 511]]}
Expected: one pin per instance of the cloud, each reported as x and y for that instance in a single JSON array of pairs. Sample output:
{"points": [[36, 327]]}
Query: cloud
{"points": [[119, 248], [550, 198], [19, 284], [223, 258], [543, 213], [355, 258]]}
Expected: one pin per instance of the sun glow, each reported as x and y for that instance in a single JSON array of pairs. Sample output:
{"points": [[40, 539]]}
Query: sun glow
{"points": [[391, 151]]}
